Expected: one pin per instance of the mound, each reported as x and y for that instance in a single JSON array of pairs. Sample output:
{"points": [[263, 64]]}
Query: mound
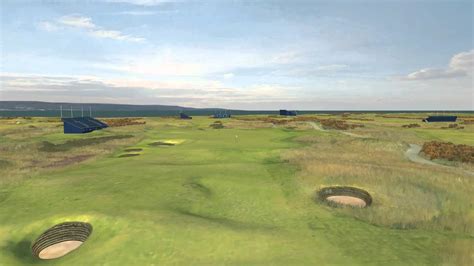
{"points": [[133, 149], [167, 142], [338, 124], [349, 196], [120, 122], [128, 155], [161, 143], [61, 239]]}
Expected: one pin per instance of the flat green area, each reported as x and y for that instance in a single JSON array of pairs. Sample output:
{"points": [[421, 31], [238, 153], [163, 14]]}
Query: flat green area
{"points": [[241, 195]]}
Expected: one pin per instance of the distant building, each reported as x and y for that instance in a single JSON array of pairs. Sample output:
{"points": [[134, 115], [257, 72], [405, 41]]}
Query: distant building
{"points": [[445, 118], [184, 116], [287, 113], [80, 125]]}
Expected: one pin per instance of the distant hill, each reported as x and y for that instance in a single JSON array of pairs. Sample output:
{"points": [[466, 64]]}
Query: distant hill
{"points": [[52, 109], [44, 106]]}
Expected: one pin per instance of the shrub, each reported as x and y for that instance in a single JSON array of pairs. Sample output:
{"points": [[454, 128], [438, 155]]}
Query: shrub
{"points": [[448, 151]]}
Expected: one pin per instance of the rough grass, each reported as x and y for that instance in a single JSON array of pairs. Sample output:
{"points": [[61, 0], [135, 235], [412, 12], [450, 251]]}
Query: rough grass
{"points": [[217, 199], [47, 146]]}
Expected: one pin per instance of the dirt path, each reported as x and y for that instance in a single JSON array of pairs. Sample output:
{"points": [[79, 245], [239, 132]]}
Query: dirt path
{"points": [[318, 127], [353, 134], [413, 155]]}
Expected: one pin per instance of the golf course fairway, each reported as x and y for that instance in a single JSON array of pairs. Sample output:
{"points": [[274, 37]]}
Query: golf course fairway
{"points": [[240, 195]]}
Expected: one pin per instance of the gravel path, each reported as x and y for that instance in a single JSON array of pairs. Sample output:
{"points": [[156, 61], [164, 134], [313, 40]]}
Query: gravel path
{"points": [[413, 155], [318, 127]]}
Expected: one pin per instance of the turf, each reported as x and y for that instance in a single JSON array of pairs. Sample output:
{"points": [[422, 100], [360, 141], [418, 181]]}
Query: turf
{"points": [[236, 196]]}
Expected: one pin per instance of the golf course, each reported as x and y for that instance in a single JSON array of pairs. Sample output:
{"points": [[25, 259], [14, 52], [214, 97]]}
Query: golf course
{"points": [[245, 192]]}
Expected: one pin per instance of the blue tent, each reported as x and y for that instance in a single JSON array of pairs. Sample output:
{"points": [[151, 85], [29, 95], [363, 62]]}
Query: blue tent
{"points": [[446, 118], [287, 113], [80, 125]]}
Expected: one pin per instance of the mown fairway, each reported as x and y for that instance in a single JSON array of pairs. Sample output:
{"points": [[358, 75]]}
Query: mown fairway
{"points": [[239, 195]]}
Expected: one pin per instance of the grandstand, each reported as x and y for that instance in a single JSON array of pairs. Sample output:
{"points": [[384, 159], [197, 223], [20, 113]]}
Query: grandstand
{"points": [[184, 116], [287, 113], [437, 118], [80, 125], [222, 115]]}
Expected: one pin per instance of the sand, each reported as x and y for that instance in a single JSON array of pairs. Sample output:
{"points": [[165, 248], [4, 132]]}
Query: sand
{"points": [[347, 200], [59, 249]]}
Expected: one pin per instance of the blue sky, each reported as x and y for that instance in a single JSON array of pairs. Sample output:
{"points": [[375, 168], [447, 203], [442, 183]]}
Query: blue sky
{"points": [[313, 55]]}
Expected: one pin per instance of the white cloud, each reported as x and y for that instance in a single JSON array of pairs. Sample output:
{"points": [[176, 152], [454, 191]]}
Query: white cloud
{"points": [[460, 65], [86, 23], [195, 93], [228, 75], [435, 73], [116, 35], [463, 61], [77, 21], [184, 61], [48, 26]]}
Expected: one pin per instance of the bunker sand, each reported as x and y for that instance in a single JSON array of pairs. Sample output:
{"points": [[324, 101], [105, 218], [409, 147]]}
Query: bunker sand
{"points": [[347, 200], [58, 250]]}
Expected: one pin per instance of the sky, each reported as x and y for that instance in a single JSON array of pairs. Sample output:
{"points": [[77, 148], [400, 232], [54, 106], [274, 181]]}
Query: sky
{"points": [[253, 55]]}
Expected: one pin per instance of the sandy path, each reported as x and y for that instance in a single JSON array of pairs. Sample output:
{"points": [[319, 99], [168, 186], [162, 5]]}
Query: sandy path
{"points": [[413, 155], [318, 127]]}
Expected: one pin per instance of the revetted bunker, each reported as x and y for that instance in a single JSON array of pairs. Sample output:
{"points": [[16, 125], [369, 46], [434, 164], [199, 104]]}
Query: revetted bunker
{"points": [[128, 155], [61, 239], [161, 143], [342, 195], [133, 149]]}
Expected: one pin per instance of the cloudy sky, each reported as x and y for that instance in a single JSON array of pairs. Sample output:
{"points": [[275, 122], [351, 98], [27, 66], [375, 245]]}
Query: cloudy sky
{"points": [[359, 55]]}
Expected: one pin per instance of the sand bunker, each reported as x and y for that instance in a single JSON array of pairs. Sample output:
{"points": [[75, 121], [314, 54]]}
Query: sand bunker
{"points": [[128, 155], [61, 239], [167, 142], [348, 196], [347, 200]]}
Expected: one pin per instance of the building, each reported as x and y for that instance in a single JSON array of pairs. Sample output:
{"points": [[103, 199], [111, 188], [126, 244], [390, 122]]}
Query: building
{"points": [[436, 118]]}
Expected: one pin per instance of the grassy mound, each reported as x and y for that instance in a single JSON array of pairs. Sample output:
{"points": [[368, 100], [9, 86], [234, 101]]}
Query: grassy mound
{"points": [[133, 149], [338, 124], [70, 144], [128, 155], [120, 122]]}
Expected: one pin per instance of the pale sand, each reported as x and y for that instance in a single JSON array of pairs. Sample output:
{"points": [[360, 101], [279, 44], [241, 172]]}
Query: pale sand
{"points": [[59, 249], [347, 200]]}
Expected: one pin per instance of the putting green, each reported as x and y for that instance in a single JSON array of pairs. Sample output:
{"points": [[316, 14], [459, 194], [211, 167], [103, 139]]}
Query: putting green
{"points": [[211, 200]]}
